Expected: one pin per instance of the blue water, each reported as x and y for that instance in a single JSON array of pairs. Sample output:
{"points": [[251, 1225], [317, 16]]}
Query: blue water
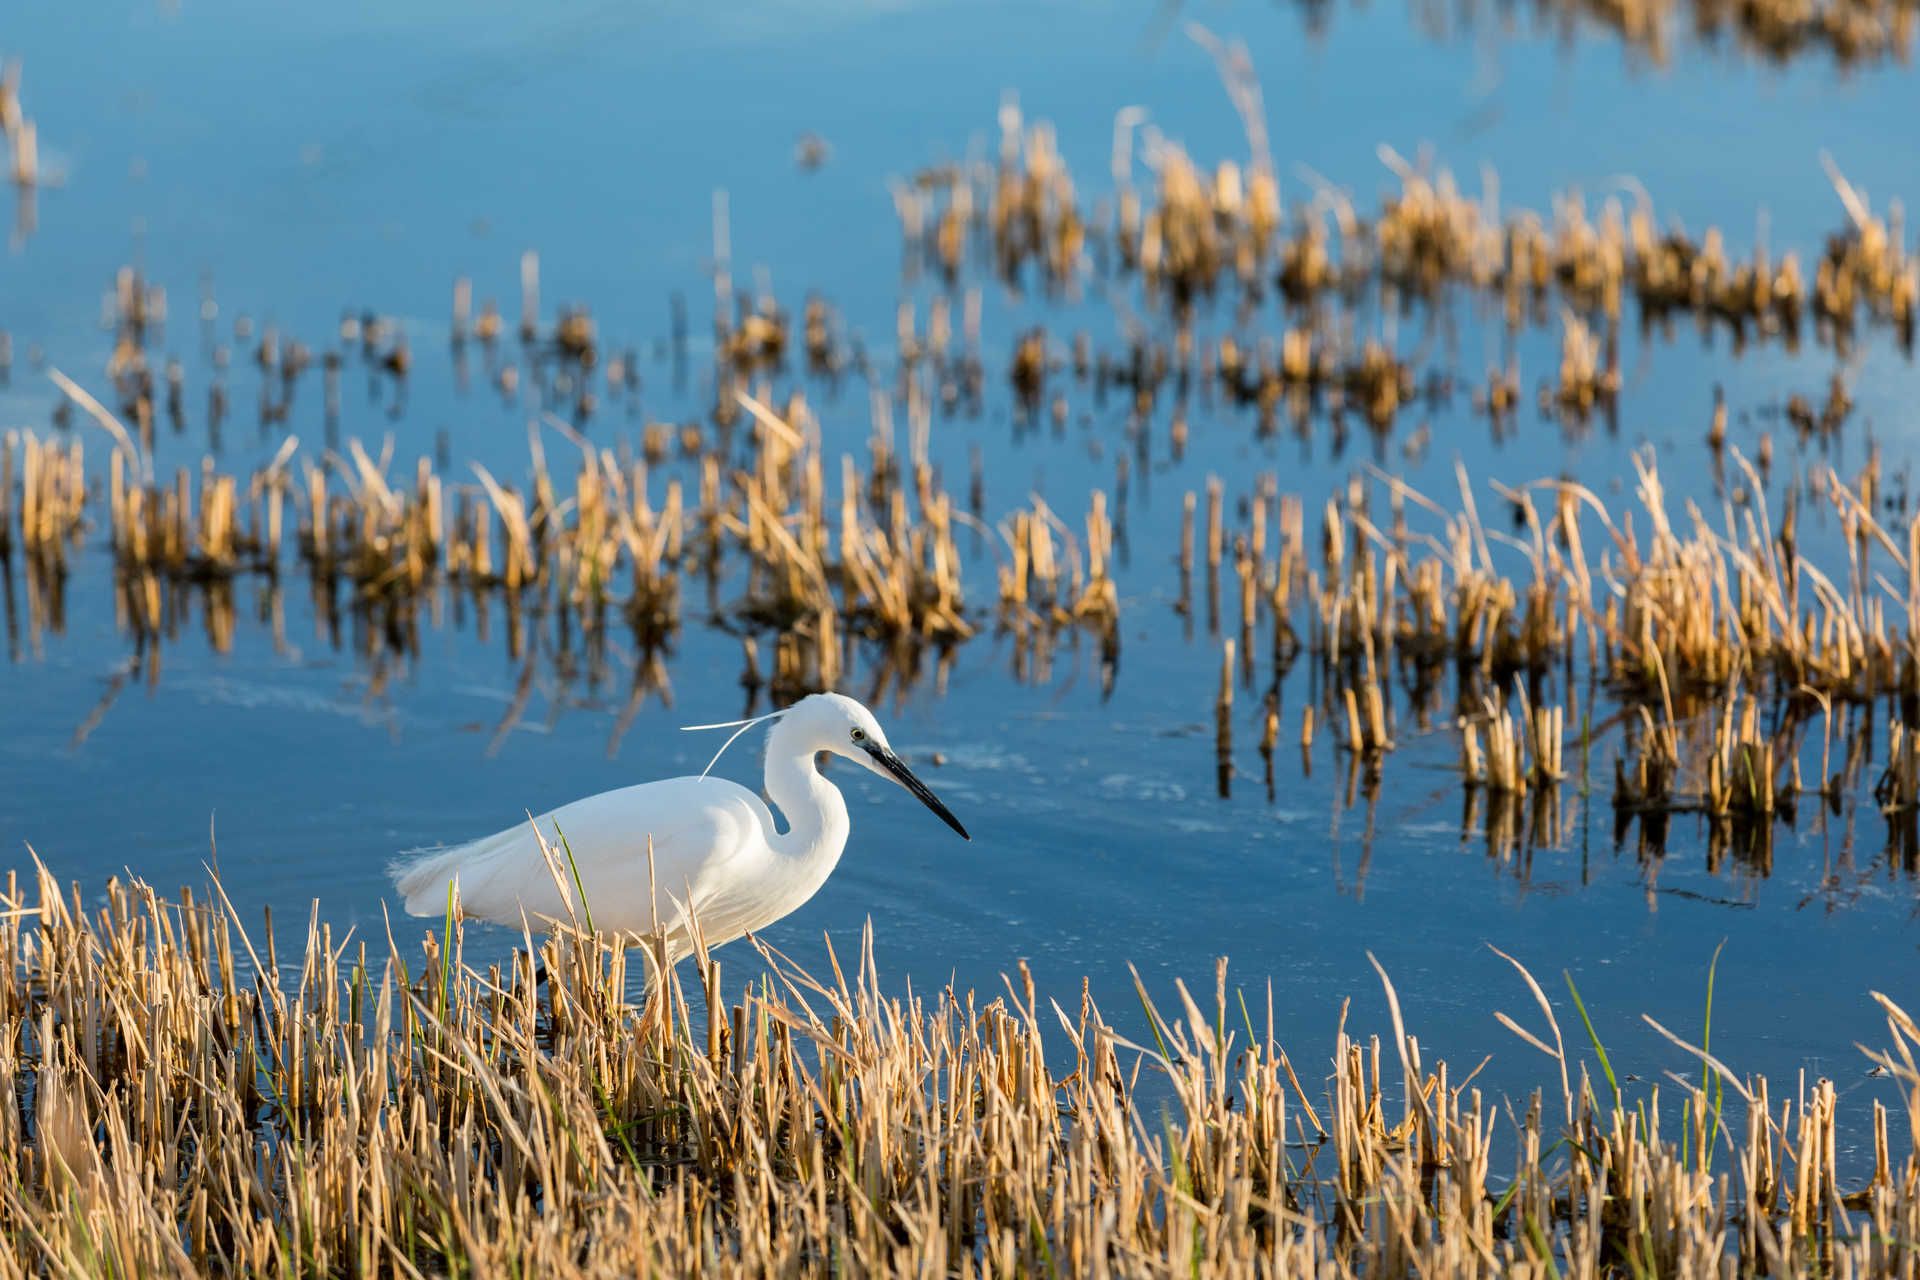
{"points": [[302, 162]]}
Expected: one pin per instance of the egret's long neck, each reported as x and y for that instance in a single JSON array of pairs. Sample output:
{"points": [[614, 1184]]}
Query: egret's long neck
{"points": [[816, 813]]}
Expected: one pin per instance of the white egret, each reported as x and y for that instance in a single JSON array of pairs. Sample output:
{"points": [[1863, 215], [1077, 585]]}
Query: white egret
{"points": [[718, 856]]}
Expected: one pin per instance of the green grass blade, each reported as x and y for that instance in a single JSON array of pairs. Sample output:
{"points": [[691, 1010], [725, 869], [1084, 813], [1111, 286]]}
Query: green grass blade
{"points": [[573, 868], [1708, 1079], [446, 957], [1153, 1020], [1600, 1050]]}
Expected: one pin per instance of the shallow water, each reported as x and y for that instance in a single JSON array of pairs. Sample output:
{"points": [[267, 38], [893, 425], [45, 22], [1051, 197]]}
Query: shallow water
{"points": [[301, 164]]}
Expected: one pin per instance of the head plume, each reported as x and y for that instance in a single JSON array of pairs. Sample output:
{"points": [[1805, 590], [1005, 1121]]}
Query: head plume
{"points": [[738, 726]]}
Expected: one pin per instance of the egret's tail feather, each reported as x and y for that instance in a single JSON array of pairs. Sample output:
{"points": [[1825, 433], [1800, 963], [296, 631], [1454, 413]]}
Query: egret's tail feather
{"points": [[424, 877], [423, 880]]}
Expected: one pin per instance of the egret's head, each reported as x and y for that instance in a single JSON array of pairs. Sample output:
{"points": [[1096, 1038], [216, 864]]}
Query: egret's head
{"points": [[834, 722]]}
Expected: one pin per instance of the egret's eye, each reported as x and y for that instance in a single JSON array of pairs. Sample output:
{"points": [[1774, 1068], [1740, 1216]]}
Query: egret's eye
{"points": [[859, 735]]}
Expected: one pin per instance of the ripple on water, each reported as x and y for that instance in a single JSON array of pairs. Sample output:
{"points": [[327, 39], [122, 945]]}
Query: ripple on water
{"points": [[251, 696], [981, 758], [1133, 786]]}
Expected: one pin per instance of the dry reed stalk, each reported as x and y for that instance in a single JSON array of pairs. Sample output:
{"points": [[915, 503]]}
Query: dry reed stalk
{"points": [[1503, 769], [1223, 720]]}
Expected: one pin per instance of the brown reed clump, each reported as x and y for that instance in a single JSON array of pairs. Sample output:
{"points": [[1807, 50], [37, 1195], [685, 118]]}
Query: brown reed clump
{"points": [[43, 494], [1195, 234], [1866, 265], [1850, 32], [600, 538], [1052, 584], [901, 577], [1740, 773], [1523, 747], [198, 1100], [1692, 631], [1588, 378], [1000, 216], [1645, 777], [1429, 235], [1898, 789], [181, 532], [22, 136]]}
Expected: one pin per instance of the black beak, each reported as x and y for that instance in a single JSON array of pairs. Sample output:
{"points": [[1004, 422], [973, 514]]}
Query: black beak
{"points": [[894, 765]]}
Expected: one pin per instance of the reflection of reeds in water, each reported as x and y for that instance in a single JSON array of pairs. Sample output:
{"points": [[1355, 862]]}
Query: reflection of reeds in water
{"points": [[1718, 616], [1852, 33], [1051, 583], [1696, 633], [606, 537], [43, 494], [337, 1107], [1740, 772], [1898, 790], [1192, 234], [1523, 747], [24, 170], [23, 140]]}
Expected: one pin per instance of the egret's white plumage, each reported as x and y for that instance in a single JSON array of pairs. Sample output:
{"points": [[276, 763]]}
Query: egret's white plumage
{"points": [[717, 851]]}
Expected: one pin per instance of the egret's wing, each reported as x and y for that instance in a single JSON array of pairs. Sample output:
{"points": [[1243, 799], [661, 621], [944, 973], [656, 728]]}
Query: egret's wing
{"points": [[698, 826]]}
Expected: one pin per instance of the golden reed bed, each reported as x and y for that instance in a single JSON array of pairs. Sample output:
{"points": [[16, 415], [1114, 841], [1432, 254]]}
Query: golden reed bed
{"points": [[191, 1099]]}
